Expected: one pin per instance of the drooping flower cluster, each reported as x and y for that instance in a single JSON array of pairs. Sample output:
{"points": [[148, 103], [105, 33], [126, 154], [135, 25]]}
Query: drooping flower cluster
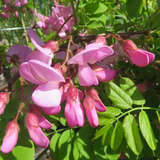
{"points": [[10, 7], [54, 84], [61, 20]]}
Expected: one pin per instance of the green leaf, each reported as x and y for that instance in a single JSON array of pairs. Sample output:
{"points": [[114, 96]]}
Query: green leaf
{"points": [[95, 25], [146, 130], [95, 8], [119, 98], [102, 131], [155, 20], [117, 136], [111, 112], [134, 7], [64, 144], [130, 88], [79, 149], [53, 146], [132, 134]]}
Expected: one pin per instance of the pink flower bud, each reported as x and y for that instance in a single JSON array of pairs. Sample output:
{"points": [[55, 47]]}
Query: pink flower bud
{"points": [[42, 121], [143, 87], [73, 109], [35, 132], [4, 99], [104, 74], [91, 111], [129, 47], [97, 101], [138, 56], [52, 45], [11, 137]]}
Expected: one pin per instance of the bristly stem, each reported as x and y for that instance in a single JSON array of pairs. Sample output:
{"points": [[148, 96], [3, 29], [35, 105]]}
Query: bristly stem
{"points": [[74, 12]]}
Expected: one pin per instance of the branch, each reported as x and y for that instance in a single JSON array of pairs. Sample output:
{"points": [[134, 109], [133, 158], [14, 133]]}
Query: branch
{"points": [[74, 12]]}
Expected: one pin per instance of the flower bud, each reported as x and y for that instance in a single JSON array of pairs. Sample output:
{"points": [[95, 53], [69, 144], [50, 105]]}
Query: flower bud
{"points": [[52, 45], [129, 47], [11, 137], [4, 99], [35, 132]]}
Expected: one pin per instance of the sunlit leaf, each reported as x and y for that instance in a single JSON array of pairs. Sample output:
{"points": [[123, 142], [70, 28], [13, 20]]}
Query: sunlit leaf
{"points": [[132, 134], [146, 129]]}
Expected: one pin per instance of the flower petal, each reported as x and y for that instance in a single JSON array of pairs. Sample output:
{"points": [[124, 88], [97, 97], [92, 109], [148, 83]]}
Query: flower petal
{"points": [[38, 72], [35, 39], [139, 58], [104, 74], [150, 55], [91, 112], [21, 51], [91, 54], [42, 121], [35, 132], [47, 95], [37, 55], [51, 110], [70, 115], [24, 71], [86, 76]]}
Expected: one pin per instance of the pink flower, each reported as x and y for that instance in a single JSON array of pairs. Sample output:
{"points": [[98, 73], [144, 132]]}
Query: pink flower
{"points": [[58, 17], [138, 56], [51, 110], [35, 132], [104, 74], [91, 54], [92, 104], [44, 51], [42, 121], [142, 87], [20, 51], [91, 111], [4, 99], [47, 94], [20, 3], [73, 109], [11, 137]]}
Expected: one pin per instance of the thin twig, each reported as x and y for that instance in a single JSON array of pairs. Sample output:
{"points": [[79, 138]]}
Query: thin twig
{"points": [[25, 31], [68, 51], [74, 12]]}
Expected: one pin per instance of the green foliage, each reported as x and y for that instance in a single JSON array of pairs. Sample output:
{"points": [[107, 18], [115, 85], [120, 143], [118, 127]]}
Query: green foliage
{"points": [[146, 130], [130, 88], [117, 136], [134, 7], [132, 134], [119, 98]]}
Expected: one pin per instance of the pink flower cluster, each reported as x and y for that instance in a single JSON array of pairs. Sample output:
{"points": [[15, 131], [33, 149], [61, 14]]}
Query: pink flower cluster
{"points": [[54, 84], [61, 20], [10, 7]]}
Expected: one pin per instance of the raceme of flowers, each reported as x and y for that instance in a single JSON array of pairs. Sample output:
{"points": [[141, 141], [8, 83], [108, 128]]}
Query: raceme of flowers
{"points": [[54, 84]]}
